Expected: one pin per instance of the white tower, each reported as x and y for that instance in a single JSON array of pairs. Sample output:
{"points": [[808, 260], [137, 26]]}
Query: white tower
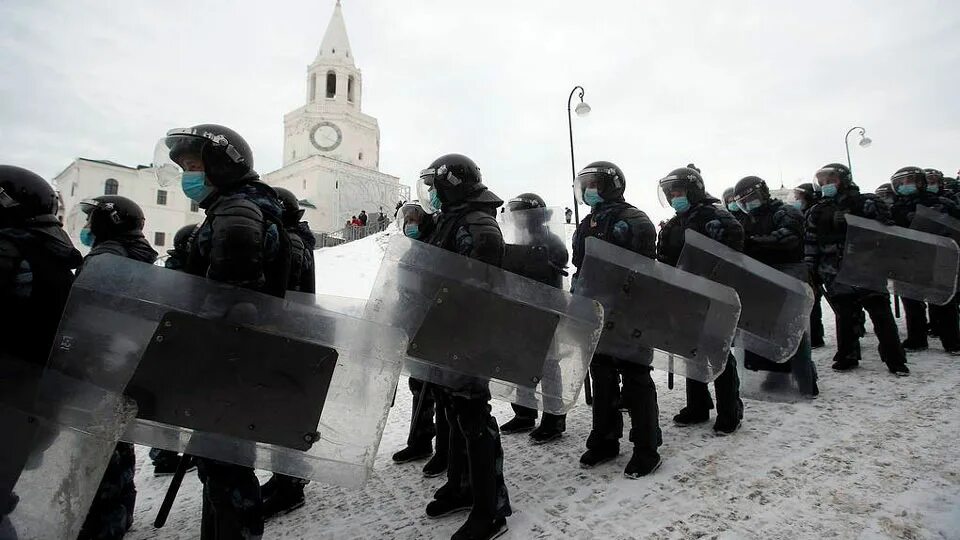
{"points": [[331, 149], [331, 122]]}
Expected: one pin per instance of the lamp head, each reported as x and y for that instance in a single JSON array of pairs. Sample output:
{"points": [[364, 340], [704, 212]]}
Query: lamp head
{"points": [[582, 109]]}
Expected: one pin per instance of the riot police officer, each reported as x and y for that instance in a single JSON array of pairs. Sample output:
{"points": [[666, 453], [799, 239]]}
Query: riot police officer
{"points": [[913, 187], [530, 218], [684, 191], [36, 259], [825, 235], [774, 236], [730, 203], [804, 198], [467, 225], [600, 185], [417, 224], [115, 227], [283, 494], [165, 461], [242, 242]]}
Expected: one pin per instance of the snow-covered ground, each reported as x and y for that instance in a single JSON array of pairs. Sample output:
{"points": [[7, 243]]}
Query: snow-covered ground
{"points": [[874, 456]]}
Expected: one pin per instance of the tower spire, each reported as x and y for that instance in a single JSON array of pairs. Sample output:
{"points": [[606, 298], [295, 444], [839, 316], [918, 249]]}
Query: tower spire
{"points": [[335, 47]]}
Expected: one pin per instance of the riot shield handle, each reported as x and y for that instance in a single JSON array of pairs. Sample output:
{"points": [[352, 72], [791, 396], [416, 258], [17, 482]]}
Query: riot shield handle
{"points": [[172, 491]]}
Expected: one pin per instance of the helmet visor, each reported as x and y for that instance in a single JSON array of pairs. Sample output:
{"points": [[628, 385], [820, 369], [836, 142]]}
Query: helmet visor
{"points": [[425, 190], [827, 175], [589, 178], [670, 187], [905, 178], [179, 151], [520, 203], [749, 198], [410, 213]]}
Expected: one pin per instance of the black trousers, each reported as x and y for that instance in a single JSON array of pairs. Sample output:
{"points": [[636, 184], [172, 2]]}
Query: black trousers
{"points": [[639, 396], [727, 388], [945, 320], [111, 513], [423, 428], [232, 505], [475, 462], [848, 308], [816, 316]]}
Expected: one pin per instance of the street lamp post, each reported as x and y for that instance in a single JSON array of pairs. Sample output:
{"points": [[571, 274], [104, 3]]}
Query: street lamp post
{"points": [[582, 109], [864, 142]]}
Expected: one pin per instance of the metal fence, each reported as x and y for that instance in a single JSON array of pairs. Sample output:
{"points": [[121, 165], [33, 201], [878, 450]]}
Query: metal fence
{"points": [[349, 234]]}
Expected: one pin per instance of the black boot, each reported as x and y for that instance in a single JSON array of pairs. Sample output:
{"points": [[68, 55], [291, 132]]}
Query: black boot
{"points": [[914, 345], [551, 428], [439, 508], [481, 529], [413, 453], [518, 424], [286, 497], [642, 463], [595, 456], [436, 466], [690, 417], [900, 370], [726, 426]]}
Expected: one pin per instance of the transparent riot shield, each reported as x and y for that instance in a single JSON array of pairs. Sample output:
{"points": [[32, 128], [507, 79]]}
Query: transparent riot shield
{"points": [[536, 245], [658, 315], [784, 382], [231, 374], [908, 263], [931, 221], [59, 433], [775, 306], [475, 327]]}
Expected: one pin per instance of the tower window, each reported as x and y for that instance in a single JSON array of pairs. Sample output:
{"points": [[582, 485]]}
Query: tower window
{"points": [[194, 207], [360, 156], [331, 84], [161, 197], [304, 183], [350, 89], [111, 187], [73, 189], [159, 238], [313, 87]]}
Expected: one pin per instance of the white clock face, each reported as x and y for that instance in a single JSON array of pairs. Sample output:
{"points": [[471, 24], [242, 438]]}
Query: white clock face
{"points": [[325, 136]]}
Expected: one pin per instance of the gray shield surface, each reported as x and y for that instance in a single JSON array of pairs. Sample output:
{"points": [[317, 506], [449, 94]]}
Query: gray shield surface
{"points": [[475, 327], [59, 434], [658, 315], [931, 221], [906, 262], [232, 374], [775, 306]]}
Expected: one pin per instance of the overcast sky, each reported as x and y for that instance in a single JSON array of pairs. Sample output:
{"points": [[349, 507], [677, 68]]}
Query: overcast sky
{"points": [[739, 88]]}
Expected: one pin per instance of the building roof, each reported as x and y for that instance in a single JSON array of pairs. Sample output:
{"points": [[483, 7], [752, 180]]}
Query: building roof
{"points": [[335, 47]]}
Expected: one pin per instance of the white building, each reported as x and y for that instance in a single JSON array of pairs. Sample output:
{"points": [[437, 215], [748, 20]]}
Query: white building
{"points": [[331, 149], [331, 156], [166, 209]]}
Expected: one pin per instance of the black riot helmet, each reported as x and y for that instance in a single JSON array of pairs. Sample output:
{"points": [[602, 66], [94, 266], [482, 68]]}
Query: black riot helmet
{"points": [[529, 209], [934, 179], [806, 194], [24, 195], [686, 179], [751, 193], [181, 240], [226, 157], [909, 175], [886, 193], [728, 195], [454, 178], [292, 213], [605, 177], [951, 185], [109, 216], [834, 173]]}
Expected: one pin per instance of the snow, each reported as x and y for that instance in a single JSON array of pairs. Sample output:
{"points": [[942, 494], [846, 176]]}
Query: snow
{"points": [[875, 456]]}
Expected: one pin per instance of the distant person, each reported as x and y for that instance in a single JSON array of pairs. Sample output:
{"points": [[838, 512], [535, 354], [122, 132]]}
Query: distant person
{"points": [[568, 213], [363, 218], [355, 222]]}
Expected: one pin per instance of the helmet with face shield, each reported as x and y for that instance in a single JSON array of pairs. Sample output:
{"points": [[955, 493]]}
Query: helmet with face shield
{"points": [[934, 178], [681, 188], [450, 179], [751, 193], [836, 175], [203, 158], [885, 193], [414, 221], [908, 181], [600, 181]]}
